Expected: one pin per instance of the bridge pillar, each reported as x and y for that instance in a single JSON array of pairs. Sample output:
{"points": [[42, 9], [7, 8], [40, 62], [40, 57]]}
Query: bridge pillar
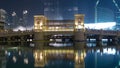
{"points": [[79, 31], [22, 40], [99, 40], [9, 40], [2, 59], [39, 39], [79, 38], [115, 40]]}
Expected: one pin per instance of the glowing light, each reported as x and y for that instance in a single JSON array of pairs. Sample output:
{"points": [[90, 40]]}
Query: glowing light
{"points": [[19, 52], [100, 25], [25, 12], [26, 60], [21, 28], [41, 57], [119, 63], [13, 14], [97, 2], [9, 53], [14, 59], [6, 52], [109, 51]]}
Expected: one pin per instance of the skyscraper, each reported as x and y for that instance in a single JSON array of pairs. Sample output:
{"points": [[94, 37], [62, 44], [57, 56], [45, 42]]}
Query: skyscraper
{"points": [[105, 15], [117, 18], [15, 20], [25, 18], [2, 18], [60, 9]]}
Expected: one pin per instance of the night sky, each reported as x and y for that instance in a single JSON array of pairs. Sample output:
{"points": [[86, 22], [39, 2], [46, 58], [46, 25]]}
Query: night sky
{"points": [[35, 7]]}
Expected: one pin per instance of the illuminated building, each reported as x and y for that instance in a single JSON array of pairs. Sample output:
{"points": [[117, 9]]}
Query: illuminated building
{"points": [[43, 24], [2, 18]]}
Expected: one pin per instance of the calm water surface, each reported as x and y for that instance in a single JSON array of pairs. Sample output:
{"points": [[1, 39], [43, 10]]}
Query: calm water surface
{"points": [[97, 57]]}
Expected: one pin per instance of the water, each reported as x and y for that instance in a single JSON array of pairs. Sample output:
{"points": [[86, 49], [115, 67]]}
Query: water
{"points": [[97, 57]]}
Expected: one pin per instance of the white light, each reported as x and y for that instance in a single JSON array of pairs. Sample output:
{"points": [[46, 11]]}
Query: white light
{"points": [[21, 28], [104, 25], [26, 60], [98, 51], [25, 12], [9, 53], [13, 14], [14, 59], [19, 52], [6, 52], [97, 2], [109, 51]]}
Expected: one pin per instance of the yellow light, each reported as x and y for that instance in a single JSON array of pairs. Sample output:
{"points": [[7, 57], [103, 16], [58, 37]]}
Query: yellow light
{"points": [[76, 58], [41, 23]]}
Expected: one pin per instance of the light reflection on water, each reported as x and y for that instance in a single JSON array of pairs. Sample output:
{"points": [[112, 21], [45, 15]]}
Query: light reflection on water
{"points": [[98, 57]]}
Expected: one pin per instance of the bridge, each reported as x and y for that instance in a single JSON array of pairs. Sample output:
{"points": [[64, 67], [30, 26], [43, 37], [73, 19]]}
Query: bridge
{"points": [[47, 32]]}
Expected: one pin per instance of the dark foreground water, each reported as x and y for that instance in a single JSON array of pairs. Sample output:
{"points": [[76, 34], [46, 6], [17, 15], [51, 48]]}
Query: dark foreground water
{"points": [[97, 57]]}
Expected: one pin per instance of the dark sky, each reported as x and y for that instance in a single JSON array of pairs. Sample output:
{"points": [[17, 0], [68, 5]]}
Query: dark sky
{"points": [[35, 7]]}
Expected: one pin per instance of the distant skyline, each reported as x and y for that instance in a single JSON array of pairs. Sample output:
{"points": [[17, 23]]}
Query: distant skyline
{"points": [[36, 7]]}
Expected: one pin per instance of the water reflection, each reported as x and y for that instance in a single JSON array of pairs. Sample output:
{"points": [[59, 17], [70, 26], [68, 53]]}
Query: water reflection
{"points": [[97, 57]]}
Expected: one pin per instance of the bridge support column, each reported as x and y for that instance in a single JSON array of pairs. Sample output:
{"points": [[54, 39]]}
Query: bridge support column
{"points": [[115, 40], [2, 59], [39, 39], [3, 62], [79, 38], [9, 40], [22, 40], [99, 40]]}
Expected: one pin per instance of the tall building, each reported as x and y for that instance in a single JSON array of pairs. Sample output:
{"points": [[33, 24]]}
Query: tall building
{"points": [[25, 18], [2, 18], [117, 18], [105, 15], [15, 20], [60, 9]]}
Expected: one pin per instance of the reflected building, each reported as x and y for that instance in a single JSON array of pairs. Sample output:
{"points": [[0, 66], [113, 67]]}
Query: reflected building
{"points": [[42, 57], [2, 60]]}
